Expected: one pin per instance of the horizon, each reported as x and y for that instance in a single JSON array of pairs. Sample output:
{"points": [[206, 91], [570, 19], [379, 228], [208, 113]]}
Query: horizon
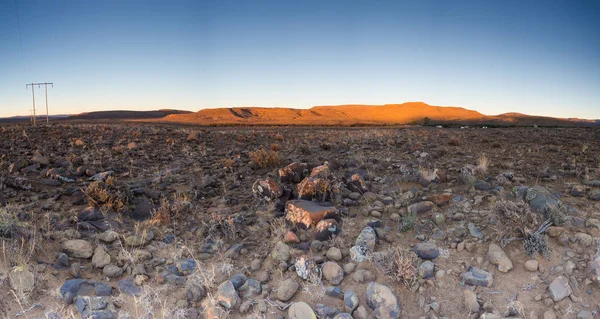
{"points": [[493, 58]]}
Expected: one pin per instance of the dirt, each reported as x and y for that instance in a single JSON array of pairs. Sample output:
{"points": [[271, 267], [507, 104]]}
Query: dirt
{"points": [[199, 183]]}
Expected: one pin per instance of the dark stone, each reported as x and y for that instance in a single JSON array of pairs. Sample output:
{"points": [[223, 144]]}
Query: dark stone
{"points": [[90, 214], [187, 266], [326, 228], [143, 210], [129, 288], [478, 277], [238, 280], [77, 198], [427, 251], [250, 288], [95, 307], [482, 185], [325, 312], [80, 287], [334, 291]]}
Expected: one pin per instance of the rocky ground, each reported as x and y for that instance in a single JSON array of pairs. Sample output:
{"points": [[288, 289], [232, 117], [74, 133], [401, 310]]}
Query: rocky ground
{"points": [[160, 221]]}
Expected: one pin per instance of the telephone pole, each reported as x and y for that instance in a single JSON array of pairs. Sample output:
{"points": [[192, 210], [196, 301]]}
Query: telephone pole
{"points": [[45, 84]]}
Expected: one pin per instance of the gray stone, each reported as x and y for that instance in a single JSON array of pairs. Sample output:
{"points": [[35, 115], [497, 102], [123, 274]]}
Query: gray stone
{"points": [[77, 248], [323, 311], [281, 252], [421, 207], [382, 300], [585, 314], [80, 287], [227, 296], [21, 279], [333, 272], [287, 289], [427, 268], [112, 271], [427, 251], [101, 258], [128, 287], [95, 307], [478, 277], [471, 301], [498, 257], [560, 288], [350, 301], [301, 310], [334, 254], [363, 276], [474, 231]]}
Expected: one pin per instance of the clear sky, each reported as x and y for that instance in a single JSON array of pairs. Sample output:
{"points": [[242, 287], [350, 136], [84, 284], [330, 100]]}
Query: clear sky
{"points": [[535, 57]]}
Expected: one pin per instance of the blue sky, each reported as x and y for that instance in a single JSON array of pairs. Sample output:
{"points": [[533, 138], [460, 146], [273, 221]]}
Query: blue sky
{"points": [[535, 57]]}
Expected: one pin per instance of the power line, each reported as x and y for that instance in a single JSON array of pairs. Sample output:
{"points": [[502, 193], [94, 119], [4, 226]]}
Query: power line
{"points": [[45, 84], [19, 25]]}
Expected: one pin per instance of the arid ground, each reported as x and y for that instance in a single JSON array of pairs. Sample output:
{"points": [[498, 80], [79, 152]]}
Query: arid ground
{"points": [[134, 220]]}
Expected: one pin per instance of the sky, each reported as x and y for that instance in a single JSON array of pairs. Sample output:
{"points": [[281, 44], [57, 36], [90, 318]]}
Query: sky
{"points": [[533, 57]]}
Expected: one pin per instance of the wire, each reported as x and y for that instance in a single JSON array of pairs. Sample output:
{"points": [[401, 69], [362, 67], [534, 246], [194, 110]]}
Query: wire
{"points": [[62, 12], [19, 25]]}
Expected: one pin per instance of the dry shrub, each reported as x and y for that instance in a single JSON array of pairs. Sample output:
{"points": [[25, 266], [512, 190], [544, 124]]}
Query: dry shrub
{"points": [[168, 210], [279, 137], [275, 147], [228, 162], [454, 141], [482, 165], [111, 194], [264, 158], [401, 264]]}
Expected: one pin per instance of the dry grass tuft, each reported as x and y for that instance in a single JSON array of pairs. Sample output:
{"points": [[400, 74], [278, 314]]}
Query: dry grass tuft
{"points": [[401, 264], [265, 159], [482, 165]]}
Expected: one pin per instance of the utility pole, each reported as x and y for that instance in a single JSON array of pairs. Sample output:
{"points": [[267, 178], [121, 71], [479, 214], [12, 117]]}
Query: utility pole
{"points": [[45, 84]]}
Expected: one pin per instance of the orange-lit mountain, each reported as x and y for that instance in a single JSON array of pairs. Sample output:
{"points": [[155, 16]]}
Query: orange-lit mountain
{"points": [[388, 114]]}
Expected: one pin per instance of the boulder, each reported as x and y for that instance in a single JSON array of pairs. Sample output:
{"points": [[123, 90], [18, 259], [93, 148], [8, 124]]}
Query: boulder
{"points": [[498, 257], [333, 272], [478, 277], [293, 173], [287, 289], [309, 213], [427, 251], [266, 189], [21, 279], [382, 300], [77, 248], [560, 288]]}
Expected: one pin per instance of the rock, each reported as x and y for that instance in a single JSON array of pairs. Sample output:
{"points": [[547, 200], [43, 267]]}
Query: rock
{"points": [[266, 189], [343, 315], [250, 288], [326, 229], [334, 254], [101, 258], [101, 176], [361, 313], [474, 231], [440, 199], [238, 280], [427, 251], [594, 195], [569, 267], [349, 268], [482, 185], [294, 172], [333, 272], [539, 198], [80, 287], [584, 239], [227, 296], [281, 252], [478, 277], [560, 288], [357, 184], [112, 271], [498, 257], [350, 301], [290, 238], [577, 190], [471, 301], [301, 310], [128, 287], [359, 254], [555, 231], [594, 266], [21, 279], [186, 266], [95, 307], [108, 236], [549, 314], [382, 300], [287, 289], [63, 260], [194, 291], [426, 268], [334, 291], [323, 311], [531, 265], [307, 268], [363, 276], [421, 207], [137, 240], [142, 210], [585, 314], [367, 239], [77, 248], [308, 213]]}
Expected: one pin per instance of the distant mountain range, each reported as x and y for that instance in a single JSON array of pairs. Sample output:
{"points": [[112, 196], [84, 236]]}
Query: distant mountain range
{"points": [[345, 115], [341, 115]]}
